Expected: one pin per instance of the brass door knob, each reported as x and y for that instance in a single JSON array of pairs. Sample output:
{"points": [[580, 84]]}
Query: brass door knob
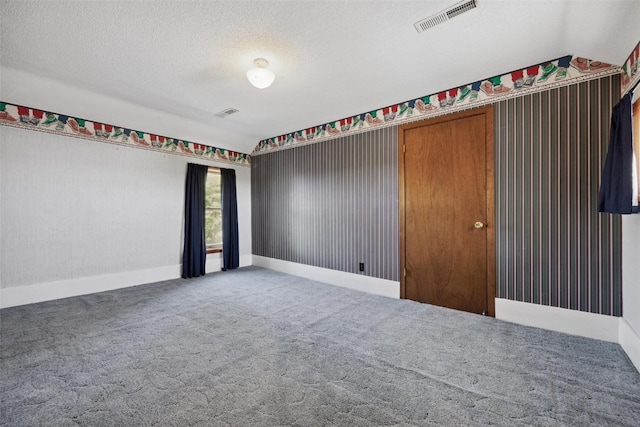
{"points": [[478, 225]]}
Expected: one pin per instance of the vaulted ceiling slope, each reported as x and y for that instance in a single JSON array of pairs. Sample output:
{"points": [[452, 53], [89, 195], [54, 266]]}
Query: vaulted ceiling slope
{"points": [[168, 67]]}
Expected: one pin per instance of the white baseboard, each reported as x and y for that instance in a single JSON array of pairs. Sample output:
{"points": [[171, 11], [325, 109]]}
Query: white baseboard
{"points": [[630, 342], [214, 262], [29, 294], [359, 282], [590, 325]]}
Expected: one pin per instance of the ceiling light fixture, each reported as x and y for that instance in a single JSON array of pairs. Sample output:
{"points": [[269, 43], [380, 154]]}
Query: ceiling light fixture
{"points": [[260, 76]]}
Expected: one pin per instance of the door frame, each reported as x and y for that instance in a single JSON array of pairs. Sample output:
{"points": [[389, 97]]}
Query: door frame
{"points": [[487, 112]]}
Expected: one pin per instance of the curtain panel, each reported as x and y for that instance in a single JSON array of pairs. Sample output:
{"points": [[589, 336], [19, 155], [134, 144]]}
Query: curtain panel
{"points": [[230, 249], [616, 186], [194, 255]]}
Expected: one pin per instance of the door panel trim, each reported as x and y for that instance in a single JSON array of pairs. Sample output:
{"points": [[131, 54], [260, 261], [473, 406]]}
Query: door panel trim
{"points": [[487, 112]]}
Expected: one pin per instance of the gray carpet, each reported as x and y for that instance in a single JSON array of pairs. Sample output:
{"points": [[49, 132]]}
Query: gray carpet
{"points": [[255, 347]]}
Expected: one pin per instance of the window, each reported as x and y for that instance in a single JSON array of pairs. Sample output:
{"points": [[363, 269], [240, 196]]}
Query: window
{"points": [[213, 212]]}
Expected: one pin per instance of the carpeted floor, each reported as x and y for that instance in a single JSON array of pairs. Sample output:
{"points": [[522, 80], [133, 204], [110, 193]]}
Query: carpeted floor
{"points": [[255, 347]]}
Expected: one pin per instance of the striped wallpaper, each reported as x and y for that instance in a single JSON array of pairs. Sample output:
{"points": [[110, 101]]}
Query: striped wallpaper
{"points": [[553, 248], [333, 204]]}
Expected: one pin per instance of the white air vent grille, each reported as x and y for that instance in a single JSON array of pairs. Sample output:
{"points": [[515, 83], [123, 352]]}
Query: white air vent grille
{"points": [[226, 112], [464, 7], [445, 15]]}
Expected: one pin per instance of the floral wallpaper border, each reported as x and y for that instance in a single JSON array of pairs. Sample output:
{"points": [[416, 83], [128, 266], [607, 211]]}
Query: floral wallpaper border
{"points": [[630, 74], [45, 121], [555, 73]]}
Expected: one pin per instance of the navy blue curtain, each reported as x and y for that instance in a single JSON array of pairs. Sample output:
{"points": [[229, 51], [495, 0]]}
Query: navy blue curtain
{"points": [[616, 186], [230, 251], [194, 255]]}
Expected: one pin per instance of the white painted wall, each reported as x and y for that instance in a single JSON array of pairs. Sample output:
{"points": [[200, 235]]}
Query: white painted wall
{"points": [[630, 322], [631, 271], [631, 260], [72, 210]]}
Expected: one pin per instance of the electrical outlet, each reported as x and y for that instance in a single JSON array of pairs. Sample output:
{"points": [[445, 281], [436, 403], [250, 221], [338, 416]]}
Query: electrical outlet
{"points": [[362, 266]]}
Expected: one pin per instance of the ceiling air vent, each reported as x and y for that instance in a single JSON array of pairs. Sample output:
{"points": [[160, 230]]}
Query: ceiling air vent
{"points": [[445, 15], [226, 112]]}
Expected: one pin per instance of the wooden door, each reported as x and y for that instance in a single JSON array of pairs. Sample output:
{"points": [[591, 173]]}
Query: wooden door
{"points": [[446, 211]]}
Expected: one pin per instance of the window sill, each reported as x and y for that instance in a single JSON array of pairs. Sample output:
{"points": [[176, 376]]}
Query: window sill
{"points": [[214, 250]]}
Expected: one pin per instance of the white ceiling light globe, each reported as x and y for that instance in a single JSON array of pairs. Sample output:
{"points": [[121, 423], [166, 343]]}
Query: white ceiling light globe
{"points": [[260, 77]]}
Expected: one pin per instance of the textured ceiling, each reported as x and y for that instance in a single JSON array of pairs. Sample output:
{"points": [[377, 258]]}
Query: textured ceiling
{"points": [[168, 67]]}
